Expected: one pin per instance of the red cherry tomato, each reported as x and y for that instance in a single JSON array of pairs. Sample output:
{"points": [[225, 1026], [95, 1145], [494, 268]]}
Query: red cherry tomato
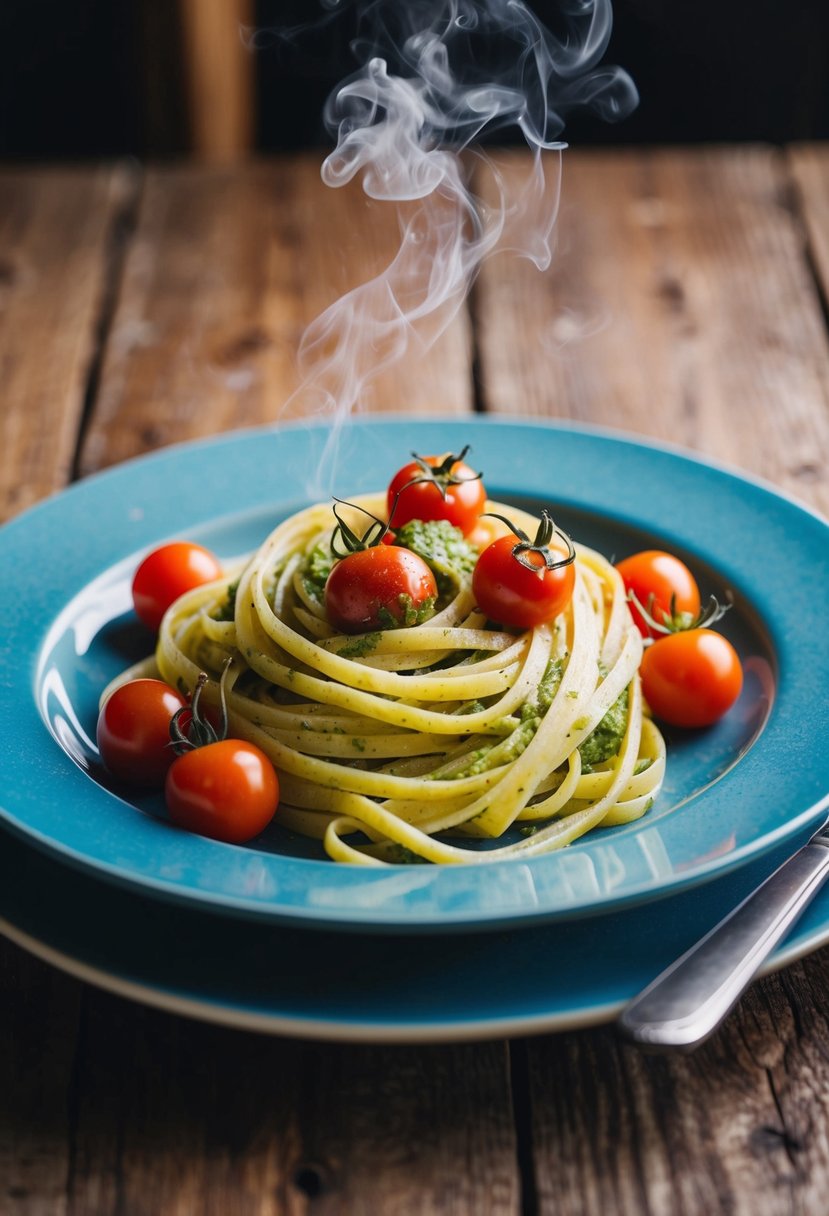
{"points": [[511, 594], [461, 504], [691, 678], [226, 790], [666, 578], [134, 731], [167, 573], [378, 588]]}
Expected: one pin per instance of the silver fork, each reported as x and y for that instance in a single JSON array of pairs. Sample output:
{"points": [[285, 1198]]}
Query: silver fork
{"points": [[692, 997]]}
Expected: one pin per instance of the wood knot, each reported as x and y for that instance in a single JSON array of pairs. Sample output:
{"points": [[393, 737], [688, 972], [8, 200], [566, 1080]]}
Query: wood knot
{"points": [[767, 1138], [311, 1179], [808, 471], [150, 437], [670, 290], [241, 347]]}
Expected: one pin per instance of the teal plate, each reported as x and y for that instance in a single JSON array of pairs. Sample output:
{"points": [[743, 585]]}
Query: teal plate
{"points": [[733, 792], [281, 980]]}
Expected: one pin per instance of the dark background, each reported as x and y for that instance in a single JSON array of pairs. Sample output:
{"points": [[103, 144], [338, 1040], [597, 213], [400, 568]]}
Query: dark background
{"points": [[91, 78]]}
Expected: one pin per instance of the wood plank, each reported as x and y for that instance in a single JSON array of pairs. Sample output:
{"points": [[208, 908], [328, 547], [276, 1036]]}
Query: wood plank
{"points": [[738, 1127], [40, 1012], [60, 231], [58, 250], [809, 166], [229, 1124], [58, 240], [410, 1130], [679, 306], [226, 271]]}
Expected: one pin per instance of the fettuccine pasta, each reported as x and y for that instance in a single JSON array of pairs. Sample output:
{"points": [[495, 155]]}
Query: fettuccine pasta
{"points": [[414, 743]]}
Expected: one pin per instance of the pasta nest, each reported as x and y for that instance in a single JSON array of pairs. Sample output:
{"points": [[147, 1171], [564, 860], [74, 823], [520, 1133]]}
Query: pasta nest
{"points": [[412, 744]]}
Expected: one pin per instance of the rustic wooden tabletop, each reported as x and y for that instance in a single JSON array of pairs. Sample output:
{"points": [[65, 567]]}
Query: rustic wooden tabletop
{"points": [[688, 302]]}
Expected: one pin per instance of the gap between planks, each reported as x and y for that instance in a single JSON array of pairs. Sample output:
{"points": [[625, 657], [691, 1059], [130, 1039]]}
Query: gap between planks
{"points": [[121, 228]]}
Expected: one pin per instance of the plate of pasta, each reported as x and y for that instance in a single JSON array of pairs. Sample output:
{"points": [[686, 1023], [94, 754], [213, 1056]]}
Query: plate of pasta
{"points": [[442, 762]]}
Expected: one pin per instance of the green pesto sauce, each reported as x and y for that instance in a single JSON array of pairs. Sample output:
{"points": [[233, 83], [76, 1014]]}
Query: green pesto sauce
{"points": [[491, 755], [606, 739], [546, 691], [227, 610], [443, 548], [314, 571], [603, 743], [519, 730], [359, 646], [399, 855], [407, 614]]}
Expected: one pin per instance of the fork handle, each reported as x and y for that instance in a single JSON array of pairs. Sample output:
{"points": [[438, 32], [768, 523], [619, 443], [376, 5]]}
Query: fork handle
{"points": [[689, 1000]]}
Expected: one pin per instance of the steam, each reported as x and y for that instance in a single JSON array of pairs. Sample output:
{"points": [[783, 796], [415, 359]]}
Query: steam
{"points": [[436, 77]]}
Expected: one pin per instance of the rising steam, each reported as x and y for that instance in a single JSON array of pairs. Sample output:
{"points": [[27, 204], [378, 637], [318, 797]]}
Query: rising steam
{"points": [[435, 77]]}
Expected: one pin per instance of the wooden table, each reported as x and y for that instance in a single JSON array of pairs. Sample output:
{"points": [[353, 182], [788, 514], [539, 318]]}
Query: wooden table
{"points": [[145, 306]]}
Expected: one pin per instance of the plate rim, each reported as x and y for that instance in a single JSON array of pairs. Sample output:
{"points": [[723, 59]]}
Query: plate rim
{"points": [[530, 421], [404, 920], [126, 978], [338, 1031]]}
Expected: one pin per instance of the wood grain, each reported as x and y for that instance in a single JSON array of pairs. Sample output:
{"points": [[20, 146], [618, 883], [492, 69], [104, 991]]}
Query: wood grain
{"points": [[809, 167], [40, 1011], [230, 1124], [226, 271], [679, 306], [738, 1127], [411, 1130], [58, 241]]}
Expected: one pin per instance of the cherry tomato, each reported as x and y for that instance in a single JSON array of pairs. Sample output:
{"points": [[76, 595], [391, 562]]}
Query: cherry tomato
{"points": [[226, 790], [134, 731], [461, 503], [511, 594], [167, 573], [691, 678], [663, 576], [382, 587]]}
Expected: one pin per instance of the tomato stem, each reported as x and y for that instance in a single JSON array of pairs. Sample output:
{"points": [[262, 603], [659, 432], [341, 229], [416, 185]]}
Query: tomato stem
{"points": [[440, 475], [677, 622], [547, 530], [348, 538], [199, 732]]}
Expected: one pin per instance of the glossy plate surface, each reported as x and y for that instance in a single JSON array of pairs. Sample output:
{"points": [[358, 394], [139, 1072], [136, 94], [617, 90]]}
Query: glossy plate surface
{"points": [[732, 793]]}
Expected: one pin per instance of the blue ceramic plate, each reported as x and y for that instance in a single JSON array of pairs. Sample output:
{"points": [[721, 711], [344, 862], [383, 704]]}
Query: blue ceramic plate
{"points": [[278, 979], [732, 793]]}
